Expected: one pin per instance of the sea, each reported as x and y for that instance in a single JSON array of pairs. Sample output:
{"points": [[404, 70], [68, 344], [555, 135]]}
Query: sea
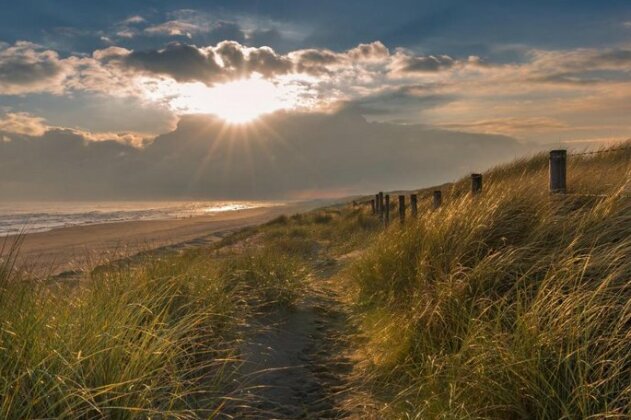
{"points": [[30, 217]]}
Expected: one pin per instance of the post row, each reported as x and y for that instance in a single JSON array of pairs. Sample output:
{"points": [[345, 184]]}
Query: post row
{"points": [[380, 205]]}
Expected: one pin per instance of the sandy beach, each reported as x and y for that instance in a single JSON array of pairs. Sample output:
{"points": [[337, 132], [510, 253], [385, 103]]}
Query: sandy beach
{"points": [[78, 248]]}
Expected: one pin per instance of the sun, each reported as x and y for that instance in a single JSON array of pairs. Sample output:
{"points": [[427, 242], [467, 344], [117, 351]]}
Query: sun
{"points": [[236, 102]]}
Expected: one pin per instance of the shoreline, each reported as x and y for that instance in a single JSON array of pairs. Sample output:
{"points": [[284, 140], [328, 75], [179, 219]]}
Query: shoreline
{"points": [[23, 215], [83, 247]]}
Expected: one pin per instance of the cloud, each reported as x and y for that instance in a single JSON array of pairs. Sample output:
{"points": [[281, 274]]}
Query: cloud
{"points": [[23, 123], [174, 27], [186, 22], [567, 78], [205, 28], [127, 28], [229, 60], [182, 62], [265, 61], [202, 158], [194, 24], [525, 99], [187, 63], [315, 62], [616, 57], [231, 54], [422, 64], [26, 67], [510, 126], [132, 20], [369, 52], [359, 71], [577, 66], [323, 61], [132, 139], [48, 165], [402, 104], [384, 85], [123, 33]]}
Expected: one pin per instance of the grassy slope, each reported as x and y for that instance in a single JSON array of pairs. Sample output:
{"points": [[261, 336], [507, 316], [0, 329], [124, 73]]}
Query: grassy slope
{"points": [[509, 305]]}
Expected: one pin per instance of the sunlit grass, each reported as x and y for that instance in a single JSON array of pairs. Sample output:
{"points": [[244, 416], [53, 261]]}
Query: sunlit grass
{"points": [[155, 338], [157, 335], [514, 304]]}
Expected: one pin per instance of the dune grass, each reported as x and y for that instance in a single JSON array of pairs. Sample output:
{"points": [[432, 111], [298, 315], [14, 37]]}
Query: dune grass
{"points": [[514, 304], [155, 337]]}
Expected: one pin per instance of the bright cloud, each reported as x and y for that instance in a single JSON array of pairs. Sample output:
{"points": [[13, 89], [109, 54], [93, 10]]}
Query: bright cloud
{"points": [[550, 91], [23, 123], [235, 101]]}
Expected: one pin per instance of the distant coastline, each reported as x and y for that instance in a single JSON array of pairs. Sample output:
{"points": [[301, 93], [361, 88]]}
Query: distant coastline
{"points": [[36, 217], [81, 247]]}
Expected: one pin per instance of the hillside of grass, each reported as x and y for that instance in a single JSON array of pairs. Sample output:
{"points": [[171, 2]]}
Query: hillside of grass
{"points": [[512, 304]]}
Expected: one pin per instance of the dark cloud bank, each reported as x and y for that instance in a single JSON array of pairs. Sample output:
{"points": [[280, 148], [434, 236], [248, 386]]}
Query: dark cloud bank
{"points": [[285, 156]]}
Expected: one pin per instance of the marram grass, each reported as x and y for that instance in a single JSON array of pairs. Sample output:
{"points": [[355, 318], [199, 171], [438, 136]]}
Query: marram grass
{"points": [[155, 339], [514, 304]]}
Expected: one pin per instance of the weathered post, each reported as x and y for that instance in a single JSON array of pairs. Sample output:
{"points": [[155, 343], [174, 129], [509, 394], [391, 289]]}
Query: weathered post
{"points": [[414, 204], [402, 209], [372, 205], [381, 206], [376, 200], [438, 199], [558, 171], [386, 217], [476, 184]]}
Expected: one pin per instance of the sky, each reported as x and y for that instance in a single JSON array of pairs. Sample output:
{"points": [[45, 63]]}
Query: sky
{"points": [[154, 99]]}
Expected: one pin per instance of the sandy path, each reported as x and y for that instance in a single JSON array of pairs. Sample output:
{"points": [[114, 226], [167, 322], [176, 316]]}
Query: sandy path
{"points": [[296, 360], [80, 247]]}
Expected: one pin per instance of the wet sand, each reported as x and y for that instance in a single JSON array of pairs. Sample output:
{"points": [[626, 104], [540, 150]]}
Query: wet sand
{"points": [[79, 248]]}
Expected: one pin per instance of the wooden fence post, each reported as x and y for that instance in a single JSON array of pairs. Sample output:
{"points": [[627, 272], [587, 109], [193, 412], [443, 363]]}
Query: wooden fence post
{"points": [[387, 211], [372, 205], [438, 199], [414, 204], [476, 184], [558, 171], [402, 209], [381, 207], [376, 200]]}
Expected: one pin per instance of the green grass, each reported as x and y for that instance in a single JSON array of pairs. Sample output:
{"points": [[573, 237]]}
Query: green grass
{"points": [[513, 304]]}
